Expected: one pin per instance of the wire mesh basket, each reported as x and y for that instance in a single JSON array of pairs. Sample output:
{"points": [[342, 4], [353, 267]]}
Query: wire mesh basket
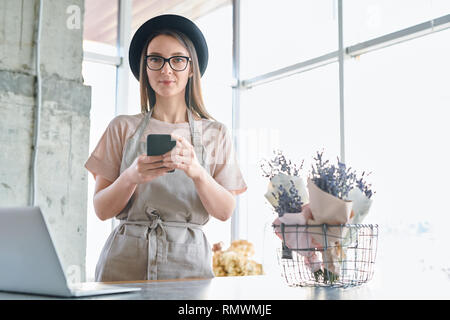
{"points": [[327, 255]]}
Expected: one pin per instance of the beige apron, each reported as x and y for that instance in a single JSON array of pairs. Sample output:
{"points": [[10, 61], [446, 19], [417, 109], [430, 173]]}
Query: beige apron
{"points": [[160, 232]]}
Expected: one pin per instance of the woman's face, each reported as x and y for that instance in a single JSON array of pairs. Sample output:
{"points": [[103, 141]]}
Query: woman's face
{"points": [[167, 82]]}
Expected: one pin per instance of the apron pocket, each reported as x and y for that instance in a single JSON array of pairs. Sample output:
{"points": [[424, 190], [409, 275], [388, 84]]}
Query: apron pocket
{"points": [[185, 261], [126, 259]]}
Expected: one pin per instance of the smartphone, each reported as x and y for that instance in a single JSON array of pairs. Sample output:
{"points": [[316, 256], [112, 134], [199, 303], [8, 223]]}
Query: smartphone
{"points": [[158, 144]]}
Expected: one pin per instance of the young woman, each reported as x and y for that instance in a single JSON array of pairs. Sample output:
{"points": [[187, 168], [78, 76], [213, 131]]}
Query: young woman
{"points": [[162, 213]]}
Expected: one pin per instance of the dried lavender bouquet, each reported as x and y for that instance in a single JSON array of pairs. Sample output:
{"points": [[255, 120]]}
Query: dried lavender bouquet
{"points": [[286, 191], [335, 194], [328, 187]]}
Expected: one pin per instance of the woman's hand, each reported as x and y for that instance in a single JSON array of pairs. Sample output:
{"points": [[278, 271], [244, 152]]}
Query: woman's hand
{"points": [[145, 169], [183, 157]]}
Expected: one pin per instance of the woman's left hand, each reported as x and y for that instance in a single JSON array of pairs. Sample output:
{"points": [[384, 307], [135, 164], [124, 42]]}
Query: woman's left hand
{"points": [[183, 157]]}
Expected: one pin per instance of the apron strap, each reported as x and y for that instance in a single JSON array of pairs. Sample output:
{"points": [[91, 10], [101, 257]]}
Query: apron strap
{"points": [[143, 125], [196, 134]]}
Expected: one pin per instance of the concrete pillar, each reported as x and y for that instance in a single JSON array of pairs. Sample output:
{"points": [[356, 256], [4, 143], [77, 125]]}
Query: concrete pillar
{"points": [[64, 121]]}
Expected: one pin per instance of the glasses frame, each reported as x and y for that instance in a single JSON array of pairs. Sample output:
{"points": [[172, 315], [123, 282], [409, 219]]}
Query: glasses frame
{"points": [[166, 60]]}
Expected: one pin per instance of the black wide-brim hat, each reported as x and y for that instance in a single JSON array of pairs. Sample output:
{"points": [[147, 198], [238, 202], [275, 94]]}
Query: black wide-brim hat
{"points": [[167, 21]]}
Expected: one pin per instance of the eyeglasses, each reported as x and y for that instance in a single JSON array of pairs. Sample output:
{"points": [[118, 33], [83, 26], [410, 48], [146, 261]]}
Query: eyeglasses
{"points": [[177, 63]]}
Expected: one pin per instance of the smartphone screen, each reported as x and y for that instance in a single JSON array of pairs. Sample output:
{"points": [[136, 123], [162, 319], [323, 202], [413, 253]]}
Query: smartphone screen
{"points": [[158, 144]]}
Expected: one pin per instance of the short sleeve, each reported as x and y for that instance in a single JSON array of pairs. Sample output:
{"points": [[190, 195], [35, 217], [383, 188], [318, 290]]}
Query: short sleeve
{"points": [[106, 158], [227, 172]]}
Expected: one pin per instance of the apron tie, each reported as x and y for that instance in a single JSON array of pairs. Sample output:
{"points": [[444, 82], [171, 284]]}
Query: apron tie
{"points": [[161, 242], [157, 246]]}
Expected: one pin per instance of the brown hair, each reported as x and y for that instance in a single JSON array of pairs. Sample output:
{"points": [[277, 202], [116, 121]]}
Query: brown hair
{"points": [[193, 93]]}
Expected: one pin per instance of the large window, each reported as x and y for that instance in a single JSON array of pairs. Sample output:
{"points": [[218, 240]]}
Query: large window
{"points": [[395, 105], [397, 111]]}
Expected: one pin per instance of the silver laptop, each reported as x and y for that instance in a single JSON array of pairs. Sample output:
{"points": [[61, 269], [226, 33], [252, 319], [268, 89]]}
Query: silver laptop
{"points": [[29, 262]]}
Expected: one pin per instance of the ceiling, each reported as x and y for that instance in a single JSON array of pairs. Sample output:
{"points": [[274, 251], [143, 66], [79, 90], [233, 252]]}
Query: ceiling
{"points": [[100, 19]]}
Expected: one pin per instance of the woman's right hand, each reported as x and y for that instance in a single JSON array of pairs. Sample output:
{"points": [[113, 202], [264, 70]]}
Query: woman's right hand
{"points": [[145, 169]]}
